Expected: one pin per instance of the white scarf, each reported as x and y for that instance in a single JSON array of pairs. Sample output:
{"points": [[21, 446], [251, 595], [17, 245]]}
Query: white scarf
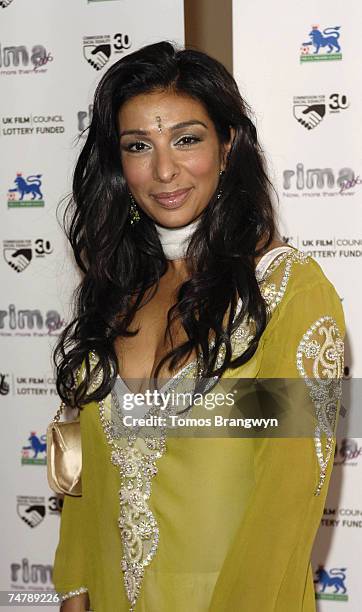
{"points": [[175, 240]]}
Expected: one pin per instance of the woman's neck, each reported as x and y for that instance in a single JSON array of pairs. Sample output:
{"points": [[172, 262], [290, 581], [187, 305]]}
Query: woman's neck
{"points": [[175, 240]]}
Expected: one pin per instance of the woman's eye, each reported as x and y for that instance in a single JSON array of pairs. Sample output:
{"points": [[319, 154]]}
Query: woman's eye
{"points": [[135, 147], [187, 141]]}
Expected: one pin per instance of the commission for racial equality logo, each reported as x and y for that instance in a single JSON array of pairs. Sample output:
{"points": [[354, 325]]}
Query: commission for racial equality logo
{"points": [[309, 111], [98, 49], [19, 253], [323, 45], [27, 192], [32, 509]]}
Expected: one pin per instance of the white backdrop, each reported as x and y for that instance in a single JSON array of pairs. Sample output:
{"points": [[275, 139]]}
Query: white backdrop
{"points": [[307, 103], [52, 54]]}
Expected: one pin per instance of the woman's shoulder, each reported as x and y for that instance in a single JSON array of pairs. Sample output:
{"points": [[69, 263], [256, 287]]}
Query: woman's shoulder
{"points": [[292, 273]]}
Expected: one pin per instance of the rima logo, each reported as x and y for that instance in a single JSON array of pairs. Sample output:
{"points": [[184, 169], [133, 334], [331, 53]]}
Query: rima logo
{"points": [[27, 192], [317, 182], [329, 39], [84, 119], [28, 322], [15, 59], [27, 576]]}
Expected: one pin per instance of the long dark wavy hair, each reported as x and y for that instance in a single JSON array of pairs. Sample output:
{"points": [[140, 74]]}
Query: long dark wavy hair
{"points": [[119, 262]]}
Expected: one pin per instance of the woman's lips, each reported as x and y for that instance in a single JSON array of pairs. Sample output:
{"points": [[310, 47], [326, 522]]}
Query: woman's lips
{"points": [[172, 199]]}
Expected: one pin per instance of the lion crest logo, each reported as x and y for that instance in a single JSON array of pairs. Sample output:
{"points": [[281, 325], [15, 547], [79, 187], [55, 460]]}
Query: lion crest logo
{"points": [[27, 192], [322, 45], [331, 584]]}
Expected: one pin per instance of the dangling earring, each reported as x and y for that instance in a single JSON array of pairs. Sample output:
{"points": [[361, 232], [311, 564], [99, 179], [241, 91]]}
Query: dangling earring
{"points": [[133, 210], [220, 191]]}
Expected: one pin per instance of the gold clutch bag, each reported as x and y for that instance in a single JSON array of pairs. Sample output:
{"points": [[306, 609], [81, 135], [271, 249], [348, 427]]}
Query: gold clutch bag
{"points": [[64, 455]]}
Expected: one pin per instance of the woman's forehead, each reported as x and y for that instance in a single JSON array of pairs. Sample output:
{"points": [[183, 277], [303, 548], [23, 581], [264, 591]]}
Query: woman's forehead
{"points": [[165, 107]]}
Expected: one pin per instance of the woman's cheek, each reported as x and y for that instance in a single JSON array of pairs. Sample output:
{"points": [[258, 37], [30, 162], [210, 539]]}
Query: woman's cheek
{"points": [[136, 172], [203, 165]]}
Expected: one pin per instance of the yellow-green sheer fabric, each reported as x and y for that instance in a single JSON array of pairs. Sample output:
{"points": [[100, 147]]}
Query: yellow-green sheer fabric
{"points": [[215, 524]]}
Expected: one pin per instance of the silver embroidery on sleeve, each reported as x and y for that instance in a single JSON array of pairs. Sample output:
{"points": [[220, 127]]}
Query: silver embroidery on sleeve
{"points": [[69, 594], [320, 363]]}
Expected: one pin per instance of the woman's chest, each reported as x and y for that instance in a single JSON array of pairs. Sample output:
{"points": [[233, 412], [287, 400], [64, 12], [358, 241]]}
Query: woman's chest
{"points": [[139, 355]]}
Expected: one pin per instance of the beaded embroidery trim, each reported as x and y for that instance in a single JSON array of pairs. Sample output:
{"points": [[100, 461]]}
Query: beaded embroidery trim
{"points": [[321, 366], [271, 294], [64, 596], [136, 459]]}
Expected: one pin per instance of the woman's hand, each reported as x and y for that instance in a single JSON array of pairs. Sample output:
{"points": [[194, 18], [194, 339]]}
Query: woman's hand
{"points": [[79, 603]]}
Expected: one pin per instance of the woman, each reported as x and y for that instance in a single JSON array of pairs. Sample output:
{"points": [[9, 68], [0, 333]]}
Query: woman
{"points": [[184, 278]]}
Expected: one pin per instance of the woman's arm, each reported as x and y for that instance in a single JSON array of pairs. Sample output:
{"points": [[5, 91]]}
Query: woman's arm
{"points": [[268, 567], [69, 571], [79, 603]]}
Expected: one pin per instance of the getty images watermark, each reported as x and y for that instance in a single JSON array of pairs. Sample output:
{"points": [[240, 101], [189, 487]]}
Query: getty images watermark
{"points": [[167, 402], [229, 407]]}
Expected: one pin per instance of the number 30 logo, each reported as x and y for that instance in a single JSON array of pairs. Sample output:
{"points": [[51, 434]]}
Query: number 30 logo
{"points": [[122, 41]]}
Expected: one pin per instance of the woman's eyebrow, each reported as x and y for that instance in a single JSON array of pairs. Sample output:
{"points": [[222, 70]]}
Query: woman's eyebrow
{"points": [[177, 126]]}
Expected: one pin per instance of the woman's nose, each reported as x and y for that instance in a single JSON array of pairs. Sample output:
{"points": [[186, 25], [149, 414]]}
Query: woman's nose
{"points": [[165, 167]]}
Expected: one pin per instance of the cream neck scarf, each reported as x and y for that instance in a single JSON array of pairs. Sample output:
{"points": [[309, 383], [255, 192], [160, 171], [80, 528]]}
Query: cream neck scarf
{"points": [[175, 240]]}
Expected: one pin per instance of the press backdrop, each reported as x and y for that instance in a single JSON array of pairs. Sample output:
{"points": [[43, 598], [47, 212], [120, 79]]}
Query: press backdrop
{"points": [[307, 107], [52, 54], [298, 66]]}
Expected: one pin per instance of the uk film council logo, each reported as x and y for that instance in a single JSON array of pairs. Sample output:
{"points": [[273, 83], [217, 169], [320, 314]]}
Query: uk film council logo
{"points": [[27, 192], [34, 452], [322, 46], [5, 3], [19, 253], [97, 50], [309, 111], [330, 585]]}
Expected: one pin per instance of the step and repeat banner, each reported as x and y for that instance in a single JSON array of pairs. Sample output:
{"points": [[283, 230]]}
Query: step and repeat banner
{"points": [[298, 67], [52, 54]]}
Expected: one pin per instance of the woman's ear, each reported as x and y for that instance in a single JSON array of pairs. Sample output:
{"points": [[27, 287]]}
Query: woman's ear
{"points": [[226, 148]]}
